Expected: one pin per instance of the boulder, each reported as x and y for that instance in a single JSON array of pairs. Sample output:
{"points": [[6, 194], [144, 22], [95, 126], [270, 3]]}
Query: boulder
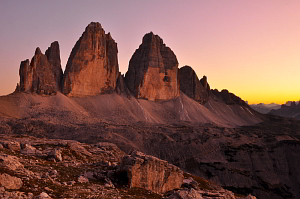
{"points": [[153, 70], [151, 173], [42, 195], [92, 67], [12, 145], [192, 86], [10, 182], [43, 74], [55, 154], [10, 162], [82, 179]]}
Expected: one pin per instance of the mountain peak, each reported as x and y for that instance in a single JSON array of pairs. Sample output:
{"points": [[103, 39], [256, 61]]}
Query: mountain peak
{"points": [[152, 71]]}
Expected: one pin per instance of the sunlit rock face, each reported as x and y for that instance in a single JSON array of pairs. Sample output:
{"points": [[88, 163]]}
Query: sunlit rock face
{"points": [[192, 86], [153, 70], [92, 67], [43, 74], [151, 173]]}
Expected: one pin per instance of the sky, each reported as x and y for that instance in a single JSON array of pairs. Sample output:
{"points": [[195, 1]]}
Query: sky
{"points": [[249, 47]]}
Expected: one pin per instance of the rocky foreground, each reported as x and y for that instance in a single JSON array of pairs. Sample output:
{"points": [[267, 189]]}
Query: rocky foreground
{"points": [[51, 168]]}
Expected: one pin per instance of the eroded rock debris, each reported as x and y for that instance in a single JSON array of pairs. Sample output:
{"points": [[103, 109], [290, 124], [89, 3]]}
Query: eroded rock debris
{"points": [[53, 168]]}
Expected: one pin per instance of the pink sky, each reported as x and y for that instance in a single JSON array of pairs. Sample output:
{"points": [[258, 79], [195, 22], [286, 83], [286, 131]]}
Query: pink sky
{"points": [[250, 47]]}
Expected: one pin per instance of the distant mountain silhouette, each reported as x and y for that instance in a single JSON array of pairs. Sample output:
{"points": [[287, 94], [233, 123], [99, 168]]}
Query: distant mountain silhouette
{"points": [[290, 109], [265, 108]]}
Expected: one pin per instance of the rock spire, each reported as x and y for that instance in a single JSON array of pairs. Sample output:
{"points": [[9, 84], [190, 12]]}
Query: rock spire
{"points": [[153, 70], [192, 86], [92, 67], [43, 74]]}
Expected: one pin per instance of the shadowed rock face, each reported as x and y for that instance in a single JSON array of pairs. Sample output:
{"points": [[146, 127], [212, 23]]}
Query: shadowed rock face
{"points": [[53, 55], [191, 85], [92, 67], [43, 74], [228, 98], [153, 70]]}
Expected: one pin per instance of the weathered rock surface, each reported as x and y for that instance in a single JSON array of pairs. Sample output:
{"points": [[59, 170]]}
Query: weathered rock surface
{"points": [[191, 85], [14, 194], [153, 70], [53, 55], [12, 145], [10, 182], [206, 194], [43, 74], [121, 87], [10, 162], [92, 67], [151, 173], [228, 98], [43, 195], [200, 194]]}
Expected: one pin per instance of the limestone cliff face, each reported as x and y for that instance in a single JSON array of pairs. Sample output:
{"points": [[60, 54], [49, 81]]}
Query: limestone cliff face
{"points": [[92, 67], [192, 86], [43, 74], [153, 70], [53, 55]]}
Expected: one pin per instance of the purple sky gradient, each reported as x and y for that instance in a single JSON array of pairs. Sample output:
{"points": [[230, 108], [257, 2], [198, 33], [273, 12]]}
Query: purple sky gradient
{"points": [[250, 47]]}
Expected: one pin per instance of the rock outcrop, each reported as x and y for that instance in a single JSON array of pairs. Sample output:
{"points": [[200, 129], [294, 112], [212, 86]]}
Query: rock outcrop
{"points": [[10, 182], [153, 70], [92, 67], [192, 86], [151, 173], [121, 87], [43, 74]]}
